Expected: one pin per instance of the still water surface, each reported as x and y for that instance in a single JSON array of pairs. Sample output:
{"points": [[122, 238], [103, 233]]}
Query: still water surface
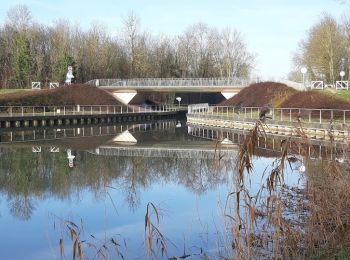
{"points": [[117, 171]]}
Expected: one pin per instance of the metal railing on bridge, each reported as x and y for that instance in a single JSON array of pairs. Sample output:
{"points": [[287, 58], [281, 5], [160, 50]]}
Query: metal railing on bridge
{"points": [[171, 82]]}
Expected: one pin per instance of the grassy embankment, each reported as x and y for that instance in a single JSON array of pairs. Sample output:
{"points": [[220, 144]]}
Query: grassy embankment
{"points": [[16, 90], [69, 95], [343, 94]]}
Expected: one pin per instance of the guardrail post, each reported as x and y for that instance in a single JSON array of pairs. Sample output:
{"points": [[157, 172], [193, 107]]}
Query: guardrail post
{"points": [[44, 111], [281, 114], [332, 114], [344, 117], [320, 116], [22, 111], [33, 111], [290, 115]]}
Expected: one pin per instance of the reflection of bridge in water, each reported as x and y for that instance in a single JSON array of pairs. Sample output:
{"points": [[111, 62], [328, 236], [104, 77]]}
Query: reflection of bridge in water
{"points": [[271, 143], [157, 139], [50, 134], [182, 152]]}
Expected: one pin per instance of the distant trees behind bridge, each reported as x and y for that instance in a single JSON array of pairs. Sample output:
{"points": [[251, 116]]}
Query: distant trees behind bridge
{"points": [[36, 52]]}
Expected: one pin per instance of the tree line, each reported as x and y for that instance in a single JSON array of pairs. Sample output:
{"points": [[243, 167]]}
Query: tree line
{"points": [[325, 51], [30, 51]]}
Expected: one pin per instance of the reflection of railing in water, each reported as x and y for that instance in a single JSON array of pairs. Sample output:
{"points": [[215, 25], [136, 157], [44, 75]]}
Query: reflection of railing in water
{"points": [[166, 152], [18, 136], [272, 142]]}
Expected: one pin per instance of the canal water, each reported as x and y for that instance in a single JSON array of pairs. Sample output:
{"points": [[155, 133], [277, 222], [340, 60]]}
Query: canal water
{"points": [[98, 183]]}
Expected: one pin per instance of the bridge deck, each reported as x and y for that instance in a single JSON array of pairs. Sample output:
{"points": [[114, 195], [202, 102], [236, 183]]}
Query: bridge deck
{"points": [[174, 88]]}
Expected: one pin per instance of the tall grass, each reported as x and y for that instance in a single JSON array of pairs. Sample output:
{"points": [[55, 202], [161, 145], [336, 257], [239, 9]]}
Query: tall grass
{"points": [[82, 246], [155, 241], [282, 222]]}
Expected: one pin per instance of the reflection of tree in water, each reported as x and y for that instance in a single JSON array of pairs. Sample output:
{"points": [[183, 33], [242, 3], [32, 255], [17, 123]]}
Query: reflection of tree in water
{"points": [[200, 175], [21, 207], [39, 176], [134, 177]]}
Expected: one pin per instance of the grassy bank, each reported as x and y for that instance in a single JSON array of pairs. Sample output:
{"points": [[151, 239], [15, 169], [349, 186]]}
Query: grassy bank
{"points": [[343, 94], [9, 91], [69, 95]]}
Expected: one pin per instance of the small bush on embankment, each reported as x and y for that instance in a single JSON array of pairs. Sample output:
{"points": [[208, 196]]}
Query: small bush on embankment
{"points": [[68, 95]]}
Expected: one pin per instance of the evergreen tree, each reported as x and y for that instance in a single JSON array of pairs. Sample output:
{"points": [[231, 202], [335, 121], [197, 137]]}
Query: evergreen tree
{"points": [[20, 61]]}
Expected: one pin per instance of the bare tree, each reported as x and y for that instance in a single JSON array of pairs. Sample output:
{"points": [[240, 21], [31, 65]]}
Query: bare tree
{"points": [[131, 31], [30, 51], [323, 50], [18, 17]]}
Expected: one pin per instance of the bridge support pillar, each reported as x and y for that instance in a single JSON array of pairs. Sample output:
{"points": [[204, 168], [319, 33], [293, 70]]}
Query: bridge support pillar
{"points": [[228, 94], [124, 96]]}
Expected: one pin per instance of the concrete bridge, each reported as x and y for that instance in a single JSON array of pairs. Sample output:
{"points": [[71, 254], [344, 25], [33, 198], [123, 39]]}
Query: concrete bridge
{"points": [[125, 89]]}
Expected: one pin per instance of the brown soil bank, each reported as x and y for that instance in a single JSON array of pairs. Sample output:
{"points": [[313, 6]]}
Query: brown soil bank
{"points": [[260, 94], [315, 99], [280, 95], [69, 95]]}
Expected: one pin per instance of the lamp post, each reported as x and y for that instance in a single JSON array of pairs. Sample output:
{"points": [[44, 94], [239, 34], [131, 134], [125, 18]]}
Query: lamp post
{"points": [[179, 100], [303, 71]]}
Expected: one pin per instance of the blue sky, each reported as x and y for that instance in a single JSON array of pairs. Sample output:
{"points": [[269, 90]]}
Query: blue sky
{"points": [[271, 28]]}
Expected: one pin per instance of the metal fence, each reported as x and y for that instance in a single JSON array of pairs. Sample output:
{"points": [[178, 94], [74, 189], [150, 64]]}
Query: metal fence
{"points": [[23, 111], [176, 82], [305, 115]]}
